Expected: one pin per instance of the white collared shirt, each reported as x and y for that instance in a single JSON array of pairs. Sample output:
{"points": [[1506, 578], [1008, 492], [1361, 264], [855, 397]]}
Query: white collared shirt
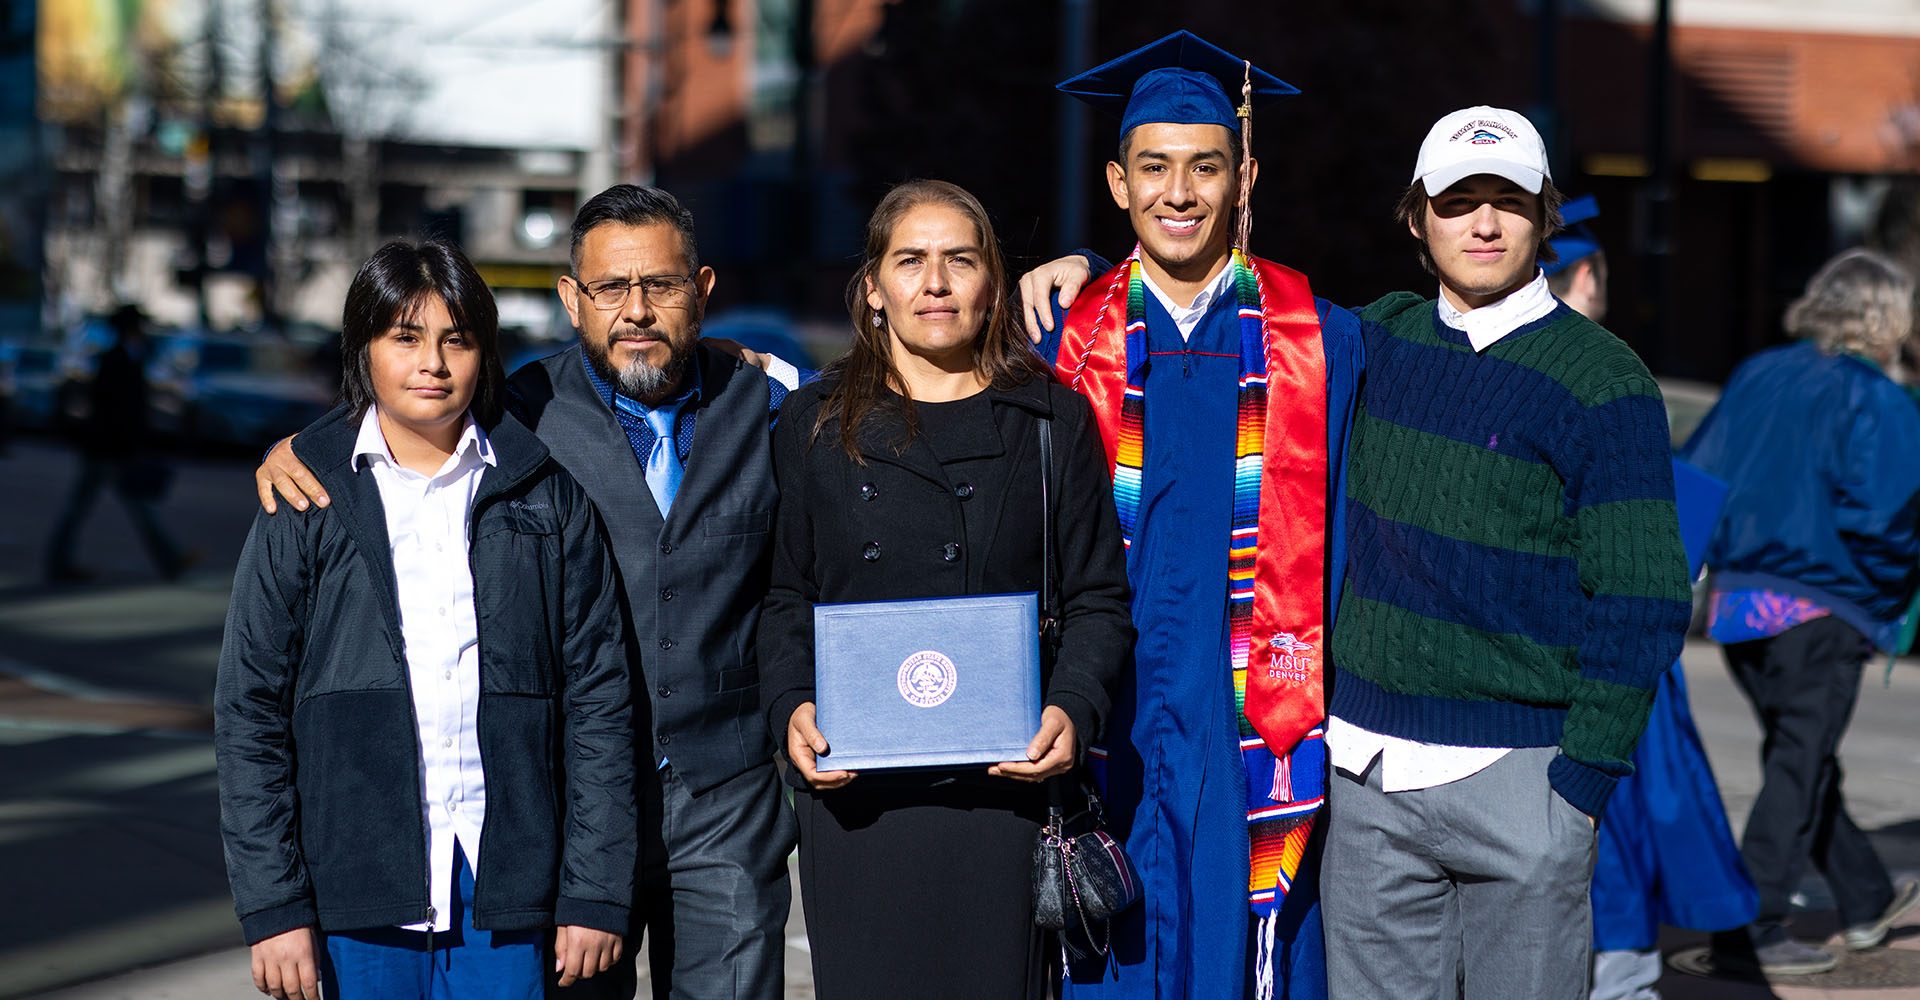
{"points": [[1187, 318], [1486, 325], [427, 519], [1409, 764]]}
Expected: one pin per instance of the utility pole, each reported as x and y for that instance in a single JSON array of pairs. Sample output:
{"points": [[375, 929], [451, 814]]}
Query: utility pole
{"points": [[800, 167], [265, 156], [1657, 245], [1070, 149]]}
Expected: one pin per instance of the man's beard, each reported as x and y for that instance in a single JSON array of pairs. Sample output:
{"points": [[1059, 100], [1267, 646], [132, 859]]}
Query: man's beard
{"points": [[640, 380]]}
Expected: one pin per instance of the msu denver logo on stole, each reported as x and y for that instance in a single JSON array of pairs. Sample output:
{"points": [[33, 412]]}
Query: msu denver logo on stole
{"points": [[1292, 659], [927, 678]]}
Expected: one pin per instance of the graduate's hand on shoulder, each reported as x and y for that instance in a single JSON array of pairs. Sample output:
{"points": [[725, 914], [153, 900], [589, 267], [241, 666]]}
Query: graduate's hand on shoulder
{"points": [[1067, 275], [286, 966], [1049, 753], [282, 472], [805, 744], [583, 952], [739, 350]]}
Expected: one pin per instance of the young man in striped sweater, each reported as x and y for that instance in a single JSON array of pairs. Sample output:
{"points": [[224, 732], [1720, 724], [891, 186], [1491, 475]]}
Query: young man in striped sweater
{"points": [[1515, 584]]}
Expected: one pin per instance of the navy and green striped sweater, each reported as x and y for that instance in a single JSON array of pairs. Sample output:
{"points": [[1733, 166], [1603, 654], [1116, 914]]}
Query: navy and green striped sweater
{"points": [[1514, 570]]}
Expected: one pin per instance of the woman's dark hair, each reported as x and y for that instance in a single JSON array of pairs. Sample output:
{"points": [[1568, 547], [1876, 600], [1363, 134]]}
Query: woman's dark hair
{"points": [[1003, 357], [390, 287]]}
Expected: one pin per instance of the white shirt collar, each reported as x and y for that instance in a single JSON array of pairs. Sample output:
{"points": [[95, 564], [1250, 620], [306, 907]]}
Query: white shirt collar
{"points": [[1486, 325], [371, 444], [1187, 318]]}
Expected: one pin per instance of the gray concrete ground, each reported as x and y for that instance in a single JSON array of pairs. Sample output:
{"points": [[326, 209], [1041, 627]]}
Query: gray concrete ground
{"points": [[109, 857]]}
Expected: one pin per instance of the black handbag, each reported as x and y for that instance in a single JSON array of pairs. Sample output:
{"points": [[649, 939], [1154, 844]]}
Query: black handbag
{"points": [[1081, 876]]}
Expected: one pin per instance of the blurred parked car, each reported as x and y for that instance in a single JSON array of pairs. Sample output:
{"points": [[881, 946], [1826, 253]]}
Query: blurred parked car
{"points": [[232, 392], [36, 386], [769, 331]]}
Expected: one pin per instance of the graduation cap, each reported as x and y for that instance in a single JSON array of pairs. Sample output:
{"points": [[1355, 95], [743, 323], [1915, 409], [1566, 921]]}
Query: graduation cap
{"points": [[1575, 241], [1182, 79]]}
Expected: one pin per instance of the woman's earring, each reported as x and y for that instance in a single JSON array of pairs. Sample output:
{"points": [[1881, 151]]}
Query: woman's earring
{"points": [[877, 321]]}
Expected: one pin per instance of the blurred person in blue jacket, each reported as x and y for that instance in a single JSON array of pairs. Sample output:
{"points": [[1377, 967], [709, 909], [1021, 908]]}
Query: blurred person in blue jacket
{"points": [[1815, 559], [1666, 854]]}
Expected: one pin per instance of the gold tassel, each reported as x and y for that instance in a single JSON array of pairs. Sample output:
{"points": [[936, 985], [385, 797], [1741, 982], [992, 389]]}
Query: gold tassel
{"points": [[1243, 225]]}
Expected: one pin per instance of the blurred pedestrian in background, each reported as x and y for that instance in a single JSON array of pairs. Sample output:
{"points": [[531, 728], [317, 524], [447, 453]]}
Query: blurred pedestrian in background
{"points": [[436, 655], [116, 453], [1666, 854], [1815, 559]]}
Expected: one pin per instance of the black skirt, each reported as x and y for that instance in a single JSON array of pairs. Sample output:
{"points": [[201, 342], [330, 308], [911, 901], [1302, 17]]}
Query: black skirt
{"points": [[917, 889]]}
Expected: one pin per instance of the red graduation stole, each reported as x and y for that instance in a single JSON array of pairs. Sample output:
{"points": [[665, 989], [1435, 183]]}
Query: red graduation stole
{"points": [[1277, 561]]}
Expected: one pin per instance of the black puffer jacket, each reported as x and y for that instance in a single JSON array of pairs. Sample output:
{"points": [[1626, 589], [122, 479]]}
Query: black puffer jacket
{"points": [[314, 724]]}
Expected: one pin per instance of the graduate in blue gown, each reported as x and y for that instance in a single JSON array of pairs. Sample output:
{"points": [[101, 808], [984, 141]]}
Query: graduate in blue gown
{"points": [[1179, 782]]}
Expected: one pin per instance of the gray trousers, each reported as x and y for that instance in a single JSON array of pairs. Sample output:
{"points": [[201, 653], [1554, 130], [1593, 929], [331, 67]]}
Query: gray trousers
{"points": [[1476, 888], [713, 893]]}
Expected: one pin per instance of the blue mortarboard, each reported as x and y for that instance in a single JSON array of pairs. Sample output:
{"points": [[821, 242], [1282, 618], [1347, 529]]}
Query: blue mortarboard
{"points": [[1575, 242], [1181, 79]]}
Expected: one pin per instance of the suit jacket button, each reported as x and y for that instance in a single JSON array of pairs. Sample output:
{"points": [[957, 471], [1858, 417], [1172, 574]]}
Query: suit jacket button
{"points": [[666, 643], [666, 548], [665, 691], [667, 593], [868, 491], [950, 551], [964, 491], [871, 553], [664, 739]]}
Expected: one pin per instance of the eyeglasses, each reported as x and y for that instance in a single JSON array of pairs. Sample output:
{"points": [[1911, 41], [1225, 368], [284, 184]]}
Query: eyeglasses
{"points": [[668, 291]]}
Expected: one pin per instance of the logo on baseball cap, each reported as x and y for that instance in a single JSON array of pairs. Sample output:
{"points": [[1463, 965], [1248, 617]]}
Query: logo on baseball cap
{"points": [[1482, 140]]}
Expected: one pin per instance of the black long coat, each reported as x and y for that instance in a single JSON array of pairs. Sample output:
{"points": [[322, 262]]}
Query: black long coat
{"points": [[893, 528]]}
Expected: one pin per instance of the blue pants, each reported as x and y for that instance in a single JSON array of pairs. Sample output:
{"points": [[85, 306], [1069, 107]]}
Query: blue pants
{"points": [[463, 963]]}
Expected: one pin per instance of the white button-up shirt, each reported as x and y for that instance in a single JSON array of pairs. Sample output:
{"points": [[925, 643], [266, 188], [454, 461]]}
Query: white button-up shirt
{"points": [[1409, 764], [427, 519], [1489, 324], [1187, 317]]}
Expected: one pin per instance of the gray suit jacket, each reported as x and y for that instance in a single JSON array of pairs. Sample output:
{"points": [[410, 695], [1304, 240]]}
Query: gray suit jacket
{"points": [[692, 582]]}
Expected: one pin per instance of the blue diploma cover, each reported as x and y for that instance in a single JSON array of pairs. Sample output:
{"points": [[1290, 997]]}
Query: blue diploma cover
{"points": [[940, 682]]}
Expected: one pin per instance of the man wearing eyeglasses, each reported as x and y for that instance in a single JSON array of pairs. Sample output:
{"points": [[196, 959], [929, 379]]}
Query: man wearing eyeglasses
{"points": [[668, 435]]}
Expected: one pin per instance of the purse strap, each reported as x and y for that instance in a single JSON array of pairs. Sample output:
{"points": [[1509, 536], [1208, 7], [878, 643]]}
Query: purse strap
{"points": [[1049, 610]]}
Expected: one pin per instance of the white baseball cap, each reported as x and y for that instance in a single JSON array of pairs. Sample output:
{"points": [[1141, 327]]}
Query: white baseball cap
{"points": [[1482, 140]]}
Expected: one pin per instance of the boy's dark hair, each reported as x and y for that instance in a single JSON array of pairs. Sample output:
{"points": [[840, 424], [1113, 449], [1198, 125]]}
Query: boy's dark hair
{"points": [[1412, 210], [390, 287], [633, 205]]}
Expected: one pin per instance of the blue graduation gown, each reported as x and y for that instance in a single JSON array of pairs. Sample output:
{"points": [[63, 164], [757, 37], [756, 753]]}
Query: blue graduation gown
{"points": [[1175, 783], [1666, 854]]}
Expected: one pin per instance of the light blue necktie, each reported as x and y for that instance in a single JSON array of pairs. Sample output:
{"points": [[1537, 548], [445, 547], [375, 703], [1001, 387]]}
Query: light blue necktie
{"points": [[664, 470]]}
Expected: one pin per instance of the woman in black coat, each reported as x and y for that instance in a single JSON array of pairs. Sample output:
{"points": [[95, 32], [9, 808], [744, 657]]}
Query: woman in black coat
{"points": [[911, 469]]}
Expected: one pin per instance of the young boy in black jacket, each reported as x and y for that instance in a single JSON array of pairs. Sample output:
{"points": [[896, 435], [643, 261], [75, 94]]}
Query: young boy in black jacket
{"points": [[433, 661]]}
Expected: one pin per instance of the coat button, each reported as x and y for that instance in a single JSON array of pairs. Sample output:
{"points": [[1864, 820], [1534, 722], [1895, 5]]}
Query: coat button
{"points": [[964, 491], [663, 739], [665, 691], [666, 548], [950, 551], [666, 643], [871, 553], [868, 491], [667, 593]]}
